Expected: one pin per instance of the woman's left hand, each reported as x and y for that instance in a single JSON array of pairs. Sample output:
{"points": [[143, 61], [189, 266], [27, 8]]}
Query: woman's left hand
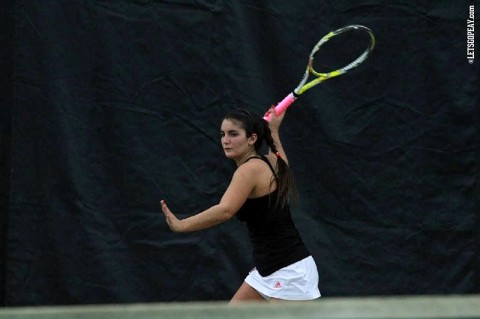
{"points": [[173, 222]]}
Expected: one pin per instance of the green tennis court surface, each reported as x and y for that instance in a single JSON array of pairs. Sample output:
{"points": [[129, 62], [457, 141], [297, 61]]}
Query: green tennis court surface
{"points": [[408, 307]]}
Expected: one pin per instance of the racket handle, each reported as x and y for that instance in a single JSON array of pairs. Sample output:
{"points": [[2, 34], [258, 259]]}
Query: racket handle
{"points": [[282, 106]]}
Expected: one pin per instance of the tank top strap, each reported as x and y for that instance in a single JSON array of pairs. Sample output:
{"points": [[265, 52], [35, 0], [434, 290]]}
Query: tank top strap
{"points": [[251, 158], [265, 159]]}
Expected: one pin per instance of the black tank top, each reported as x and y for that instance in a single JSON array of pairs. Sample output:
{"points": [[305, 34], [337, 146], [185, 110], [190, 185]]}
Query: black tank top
{"points": [[275, 239]]}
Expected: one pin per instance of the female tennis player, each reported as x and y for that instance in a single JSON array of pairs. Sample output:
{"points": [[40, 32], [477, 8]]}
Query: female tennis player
{"points": [[258, 194]]}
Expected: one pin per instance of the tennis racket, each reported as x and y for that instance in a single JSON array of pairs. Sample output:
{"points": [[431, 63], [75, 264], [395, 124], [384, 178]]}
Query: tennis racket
{"points": [[351, 47]]}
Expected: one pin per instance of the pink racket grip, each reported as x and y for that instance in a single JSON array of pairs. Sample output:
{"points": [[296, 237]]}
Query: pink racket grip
{"points": [[282, 106]]}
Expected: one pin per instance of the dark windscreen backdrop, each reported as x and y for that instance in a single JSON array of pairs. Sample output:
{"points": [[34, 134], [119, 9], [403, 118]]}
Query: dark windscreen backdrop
{"points": [[110, 106]]}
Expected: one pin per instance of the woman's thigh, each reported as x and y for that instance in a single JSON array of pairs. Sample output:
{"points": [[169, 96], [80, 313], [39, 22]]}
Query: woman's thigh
{"points": [[246, 293]]}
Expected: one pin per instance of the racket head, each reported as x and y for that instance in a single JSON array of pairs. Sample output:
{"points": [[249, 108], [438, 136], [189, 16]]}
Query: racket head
{"points": [[352, 46]]}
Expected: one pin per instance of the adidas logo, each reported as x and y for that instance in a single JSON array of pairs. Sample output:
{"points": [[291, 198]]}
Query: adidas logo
{"points": [[277, 285]]}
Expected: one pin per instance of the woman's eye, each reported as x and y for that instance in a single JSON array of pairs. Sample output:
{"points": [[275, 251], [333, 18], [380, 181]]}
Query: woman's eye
{"points": [[229, 134]]}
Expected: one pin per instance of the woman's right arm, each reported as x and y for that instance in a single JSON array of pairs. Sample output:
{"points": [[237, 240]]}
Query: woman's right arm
{"points": [[274, 124]]}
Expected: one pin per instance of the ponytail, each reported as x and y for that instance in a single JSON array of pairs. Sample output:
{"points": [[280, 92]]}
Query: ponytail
{"points": [[286, 188]]}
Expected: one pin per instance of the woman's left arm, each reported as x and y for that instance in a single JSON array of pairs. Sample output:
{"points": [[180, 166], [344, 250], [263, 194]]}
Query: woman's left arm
{"points": [[241, 185]]}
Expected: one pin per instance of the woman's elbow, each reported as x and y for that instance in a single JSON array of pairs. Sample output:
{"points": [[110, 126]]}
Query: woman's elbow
{"points": [[226, 213]]}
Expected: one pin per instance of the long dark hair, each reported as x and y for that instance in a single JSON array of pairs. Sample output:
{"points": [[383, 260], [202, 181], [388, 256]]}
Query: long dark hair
{"points": [[286, 188]]}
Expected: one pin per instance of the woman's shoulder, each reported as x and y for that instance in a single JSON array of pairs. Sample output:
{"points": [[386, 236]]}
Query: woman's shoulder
{"points": [[259, 165], [254, 164], [259, 171], [261, 160]]}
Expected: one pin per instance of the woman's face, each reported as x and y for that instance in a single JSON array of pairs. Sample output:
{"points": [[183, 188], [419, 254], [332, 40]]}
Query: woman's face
{"points": [[234, 140]]}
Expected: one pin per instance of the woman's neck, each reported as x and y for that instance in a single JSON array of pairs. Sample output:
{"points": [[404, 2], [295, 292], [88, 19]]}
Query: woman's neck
{"points": [[244, 158]]}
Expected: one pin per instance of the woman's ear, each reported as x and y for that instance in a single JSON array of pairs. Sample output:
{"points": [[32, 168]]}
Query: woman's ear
{"points": [[253, 138]]}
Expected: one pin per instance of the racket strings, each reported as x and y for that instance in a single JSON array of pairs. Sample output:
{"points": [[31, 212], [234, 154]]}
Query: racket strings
{"points": [[341, 52]]}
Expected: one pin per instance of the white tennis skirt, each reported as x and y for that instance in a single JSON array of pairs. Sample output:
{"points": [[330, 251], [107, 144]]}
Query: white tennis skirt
{"points": [[298, 281]]}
